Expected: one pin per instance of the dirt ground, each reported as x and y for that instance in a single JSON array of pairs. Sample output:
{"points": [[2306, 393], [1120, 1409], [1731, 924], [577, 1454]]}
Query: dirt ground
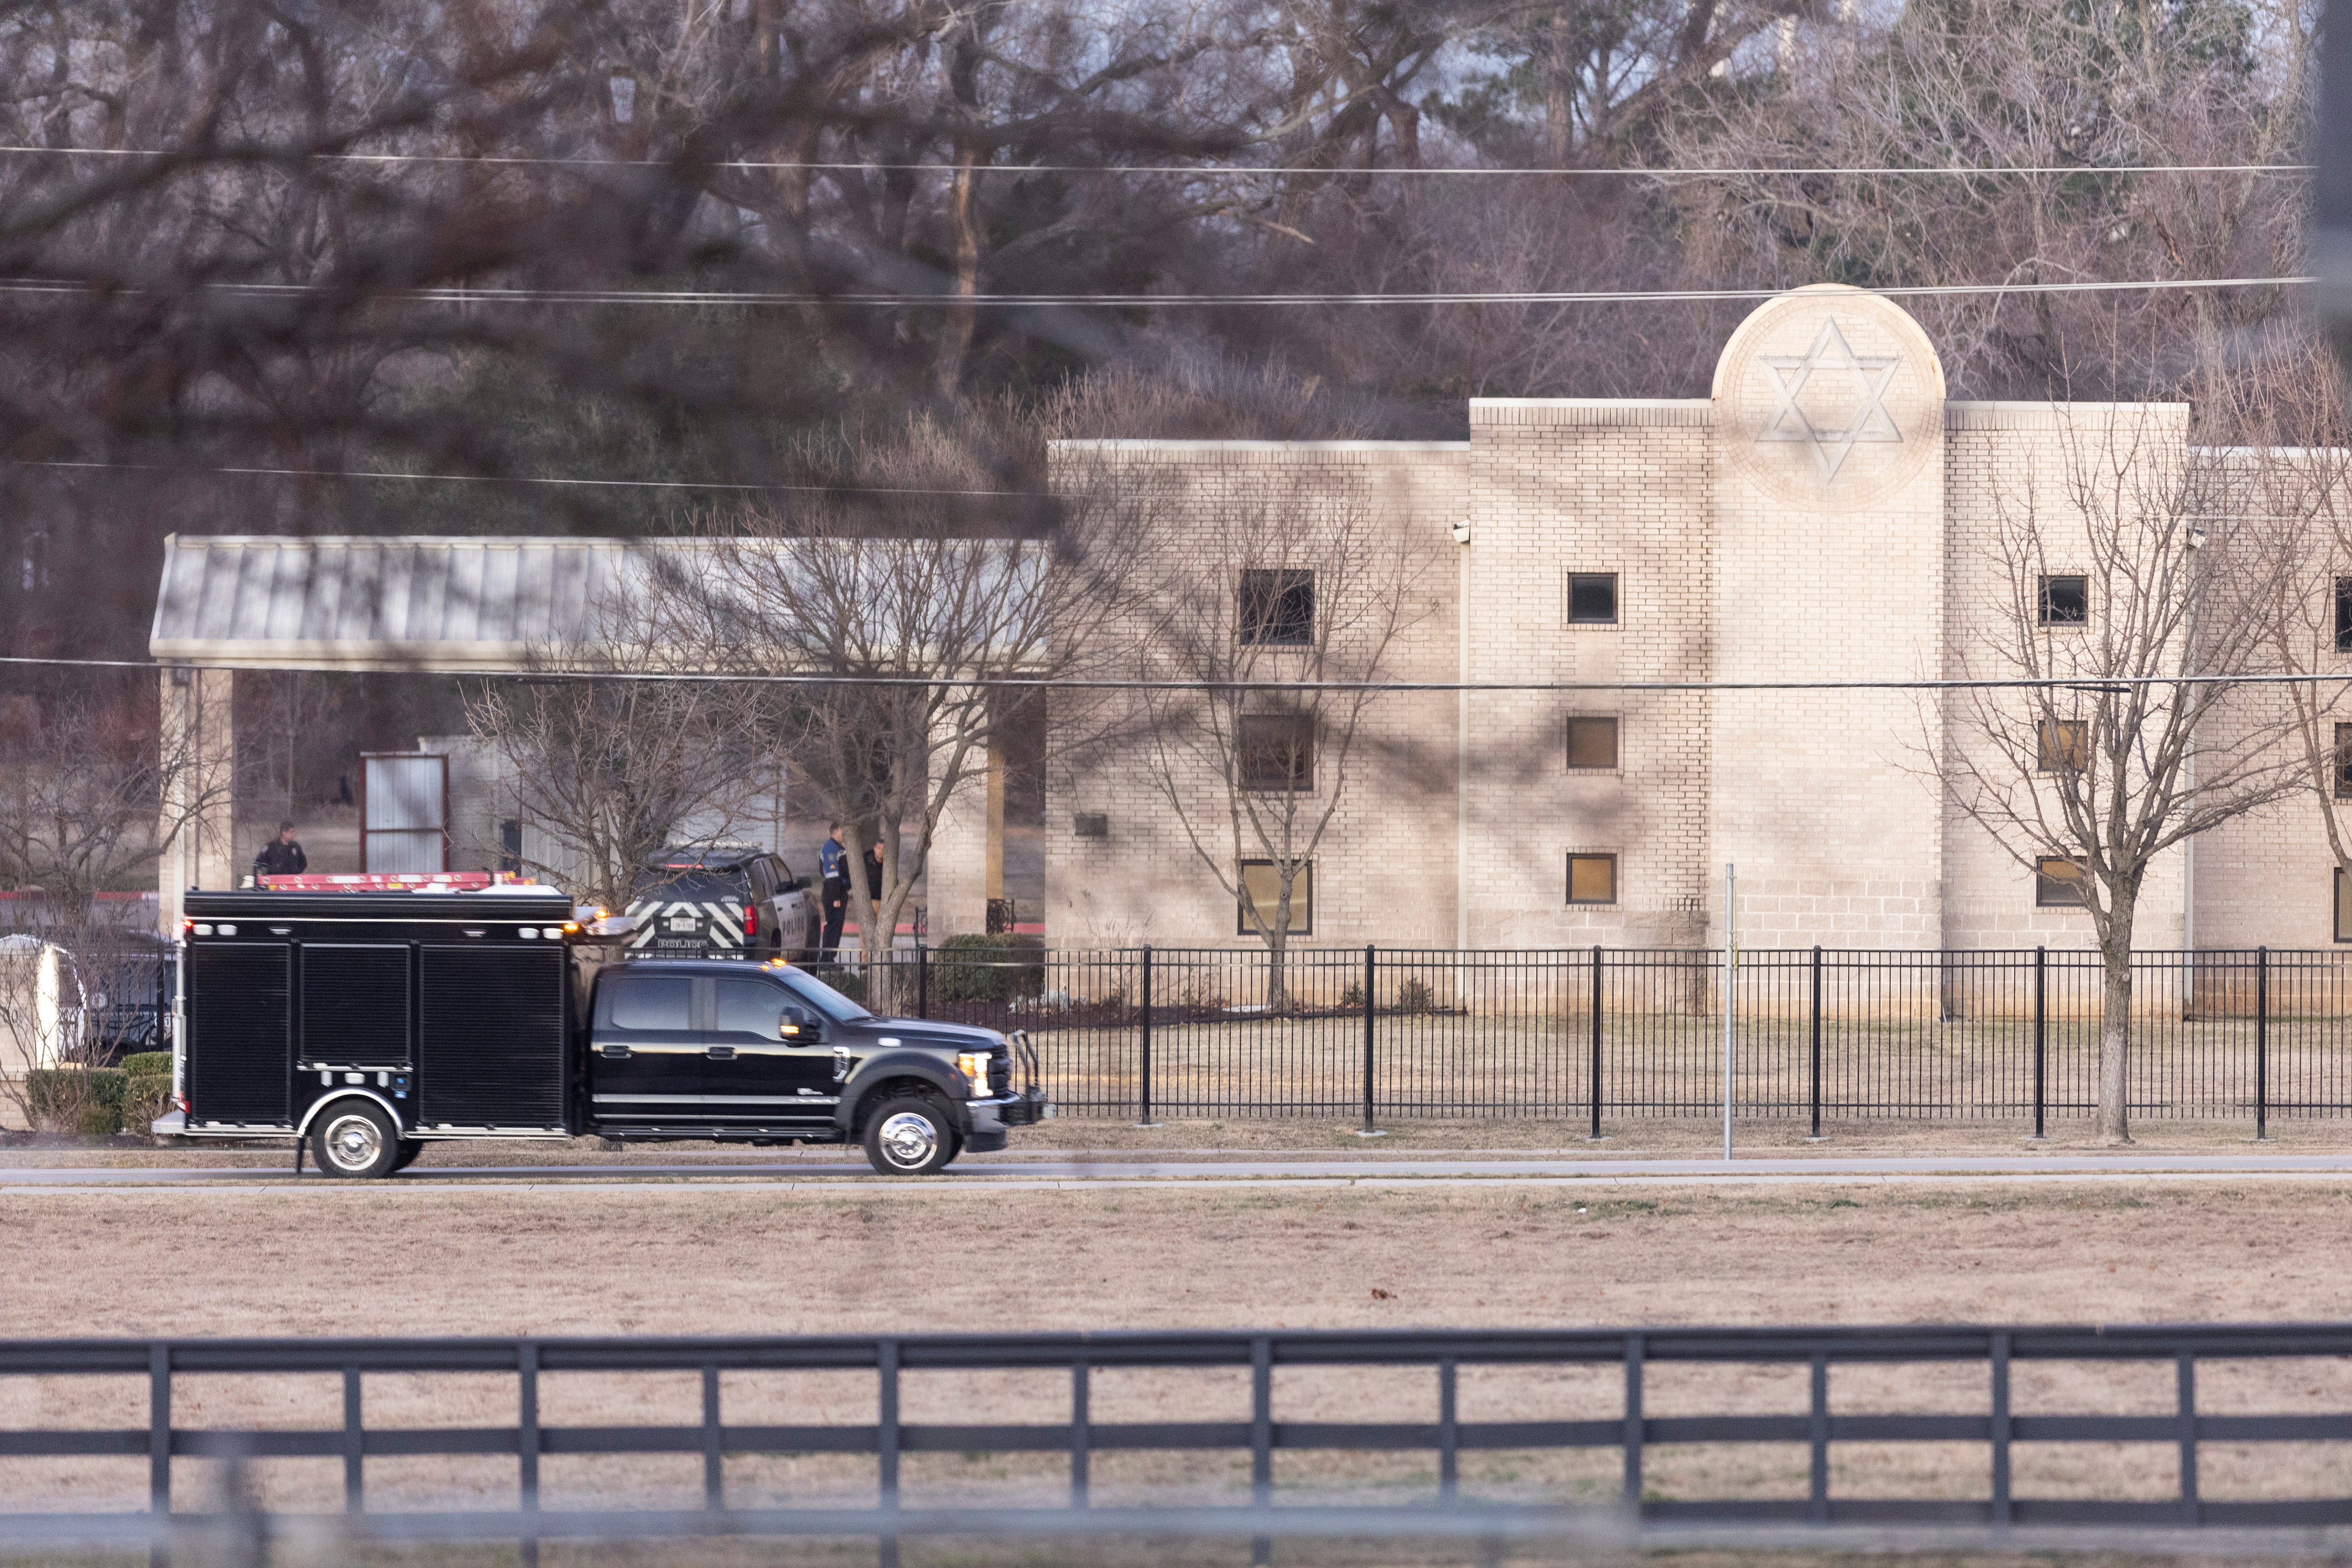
{"points": [[669, 1259]]}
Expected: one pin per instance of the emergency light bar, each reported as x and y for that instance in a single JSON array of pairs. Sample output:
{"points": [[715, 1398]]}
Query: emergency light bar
{"points": [[384, 882]]}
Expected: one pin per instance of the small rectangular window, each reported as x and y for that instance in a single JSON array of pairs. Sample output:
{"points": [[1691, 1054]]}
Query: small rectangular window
{"points": [[2066, 745], [1593, 878], [1277, 608], [1275, 752], [2344, 762], [2066, 601], [1091, 824], [1262, 891], [1592, 598], [2343, 906], [2057, 883], [1592, 743], [2343, 614]]}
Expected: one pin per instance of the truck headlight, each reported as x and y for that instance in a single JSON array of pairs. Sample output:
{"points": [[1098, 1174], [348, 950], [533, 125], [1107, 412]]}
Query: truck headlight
{"points": [[973, 1065]]}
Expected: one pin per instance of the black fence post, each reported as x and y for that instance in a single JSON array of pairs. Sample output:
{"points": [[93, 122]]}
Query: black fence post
{"points": [[2040, 1035], [1368, 1127], [1596, 1041], [922, 980], [1145, 1119], [2261, 1045], [1817, 1044]]}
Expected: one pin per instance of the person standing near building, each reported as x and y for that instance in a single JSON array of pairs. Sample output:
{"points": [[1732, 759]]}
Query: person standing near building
{"points": [[281, 857], [874, 874], [832, 866]]}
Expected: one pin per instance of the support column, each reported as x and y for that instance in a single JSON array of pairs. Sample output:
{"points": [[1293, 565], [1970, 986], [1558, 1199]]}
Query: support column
{"points": [[957, 876], [196, 748]]}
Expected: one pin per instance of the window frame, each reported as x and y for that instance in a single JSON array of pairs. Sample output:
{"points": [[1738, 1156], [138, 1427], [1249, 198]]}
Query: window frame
{"points": [[1242, 926], [1250, 783], [1616, 599], [2343, 767], [2343, 614], [2044, 882], [2342, 934], [2046, 619], [2049, 759], [1616, 886], [1616, 743], [1260, 601]]}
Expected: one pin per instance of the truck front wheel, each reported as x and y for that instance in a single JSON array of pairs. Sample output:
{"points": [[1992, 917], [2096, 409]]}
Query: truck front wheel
{"points": [[910, 1135], [355, 1137]]}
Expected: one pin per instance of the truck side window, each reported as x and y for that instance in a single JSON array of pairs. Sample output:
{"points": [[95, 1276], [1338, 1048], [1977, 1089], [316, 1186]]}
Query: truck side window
{"points": [[753, 1007], [652, 1005]]}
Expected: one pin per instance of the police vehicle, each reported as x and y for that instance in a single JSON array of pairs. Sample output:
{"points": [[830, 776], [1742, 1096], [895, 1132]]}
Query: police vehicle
{"points": [[722, 901], [362, 1024]]}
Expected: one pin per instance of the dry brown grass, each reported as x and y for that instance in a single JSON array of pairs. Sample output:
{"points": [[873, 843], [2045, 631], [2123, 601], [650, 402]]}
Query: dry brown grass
{"points": [[666, 1260]]}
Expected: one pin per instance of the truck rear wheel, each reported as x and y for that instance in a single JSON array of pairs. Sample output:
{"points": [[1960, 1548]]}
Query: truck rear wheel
{"points": [[355, 1137], [910, 1135]]}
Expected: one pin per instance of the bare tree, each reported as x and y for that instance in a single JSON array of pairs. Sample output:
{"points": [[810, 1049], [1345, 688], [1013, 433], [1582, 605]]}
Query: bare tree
{"points": [[2134, 576], [1273, 613], [899, 639], [88, 798], [613, 764]]}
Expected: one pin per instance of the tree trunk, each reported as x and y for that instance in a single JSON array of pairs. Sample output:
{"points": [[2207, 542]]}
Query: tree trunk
{"points": [[2114, 1039], [1557, 77]]}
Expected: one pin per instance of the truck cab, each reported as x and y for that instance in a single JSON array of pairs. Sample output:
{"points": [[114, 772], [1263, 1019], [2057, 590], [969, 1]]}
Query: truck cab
{"points": [[770, 1054]]}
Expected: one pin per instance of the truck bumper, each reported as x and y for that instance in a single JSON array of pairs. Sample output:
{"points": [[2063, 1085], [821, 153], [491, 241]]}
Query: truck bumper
{"points": [[988, 1120]]}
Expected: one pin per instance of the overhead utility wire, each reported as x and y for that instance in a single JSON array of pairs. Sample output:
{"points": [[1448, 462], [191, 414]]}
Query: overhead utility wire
{"points": [[2093, 684], [756, 165], [494, 296], [511, 479]]}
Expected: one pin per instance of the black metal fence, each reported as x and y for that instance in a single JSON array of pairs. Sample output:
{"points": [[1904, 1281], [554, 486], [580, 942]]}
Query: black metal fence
{"points": [[1594, 1033], [1989, 1426]]}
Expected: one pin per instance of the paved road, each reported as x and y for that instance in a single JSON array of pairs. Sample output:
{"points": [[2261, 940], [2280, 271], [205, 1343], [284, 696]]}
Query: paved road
{"points": [[1402, 1170]]}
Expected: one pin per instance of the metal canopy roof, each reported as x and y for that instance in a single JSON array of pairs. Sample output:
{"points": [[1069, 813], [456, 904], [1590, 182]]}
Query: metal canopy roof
{"points": [[423, 602]]}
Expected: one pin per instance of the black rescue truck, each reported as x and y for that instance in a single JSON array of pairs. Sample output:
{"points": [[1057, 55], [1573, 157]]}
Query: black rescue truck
{"points": [[368, 1023]]}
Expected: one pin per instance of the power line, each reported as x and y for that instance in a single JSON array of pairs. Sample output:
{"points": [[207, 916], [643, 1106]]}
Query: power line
{"points": [[512, 480], [1881, 171], [2091, 684], [691, 297]]}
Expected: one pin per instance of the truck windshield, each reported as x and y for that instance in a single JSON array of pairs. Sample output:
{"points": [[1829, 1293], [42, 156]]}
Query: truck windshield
{"points": [[824, 999]]}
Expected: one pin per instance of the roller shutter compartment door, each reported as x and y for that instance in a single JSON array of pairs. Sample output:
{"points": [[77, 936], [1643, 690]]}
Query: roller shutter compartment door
{"points": [[355, 1005], [490, 1037], [240, 1033]]}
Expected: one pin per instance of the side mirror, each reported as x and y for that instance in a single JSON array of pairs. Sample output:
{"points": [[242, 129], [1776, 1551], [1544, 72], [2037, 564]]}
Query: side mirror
{"points": [[789, 1028]]}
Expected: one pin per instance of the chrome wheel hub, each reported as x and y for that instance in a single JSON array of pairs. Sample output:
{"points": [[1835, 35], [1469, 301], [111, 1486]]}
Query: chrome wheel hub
{"points": [[354, 1142], [909, 1138]]}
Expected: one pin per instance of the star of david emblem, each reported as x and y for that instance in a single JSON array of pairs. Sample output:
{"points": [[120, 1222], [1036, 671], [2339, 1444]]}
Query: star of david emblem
{"points": [[1831, 355]]}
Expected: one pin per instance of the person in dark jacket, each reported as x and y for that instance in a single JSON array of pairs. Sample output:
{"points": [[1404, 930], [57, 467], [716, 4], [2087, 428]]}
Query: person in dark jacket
{"points": [[874, 873], [281, 857], [833, 866]]}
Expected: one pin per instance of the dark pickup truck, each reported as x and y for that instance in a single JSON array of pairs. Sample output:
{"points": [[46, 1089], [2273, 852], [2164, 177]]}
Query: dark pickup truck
{"points": [[368, 1023]]}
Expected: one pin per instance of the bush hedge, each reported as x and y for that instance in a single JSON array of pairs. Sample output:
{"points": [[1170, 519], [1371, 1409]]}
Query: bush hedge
{"points": [[85, 1100], [979, 968]]}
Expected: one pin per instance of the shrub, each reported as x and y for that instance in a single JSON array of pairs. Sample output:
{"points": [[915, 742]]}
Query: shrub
{"points": [[977, 968], [1416, 996], [86, 1101], [143, 1062], [147, 1089]]}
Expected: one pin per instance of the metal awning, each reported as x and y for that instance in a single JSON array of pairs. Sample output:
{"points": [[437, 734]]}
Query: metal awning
{"points": [[427, 603]]}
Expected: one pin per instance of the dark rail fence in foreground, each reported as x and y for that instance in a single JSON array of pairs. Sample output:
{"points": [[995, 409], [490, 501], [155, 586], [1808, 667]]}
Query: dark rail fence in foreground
{"points": [[1621, 1423], [1592, 1033]]}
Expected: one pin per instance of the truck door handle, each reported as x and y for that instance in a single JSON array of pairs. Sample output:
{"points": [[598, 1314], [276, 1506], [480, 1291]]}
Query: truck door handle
{"points": [[722, 1053], [614, 1053]]}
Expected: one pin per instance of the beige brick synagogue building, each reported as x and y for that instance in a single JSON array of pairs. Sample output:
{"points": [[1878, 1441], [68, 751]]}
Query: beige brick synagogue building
{"points": [[1827, 515]]}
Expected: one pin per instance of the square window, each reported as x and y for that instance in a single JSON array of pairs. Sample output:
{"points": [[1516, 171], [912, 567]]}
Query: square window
{"points": [[1592, 743], [2343, 906], [2343, 614], [1276, 752], [1277, 608], [1262, 891], [1593, 878], [2057, 883], [1592, 598], [2064, 745], [2066, 601], [1091, 824]]}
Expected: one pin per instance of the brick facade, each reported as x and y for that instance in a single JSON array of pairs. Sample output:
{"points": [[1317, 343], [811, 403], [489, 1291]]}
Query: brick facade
{"points": [[1826, 515]]}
